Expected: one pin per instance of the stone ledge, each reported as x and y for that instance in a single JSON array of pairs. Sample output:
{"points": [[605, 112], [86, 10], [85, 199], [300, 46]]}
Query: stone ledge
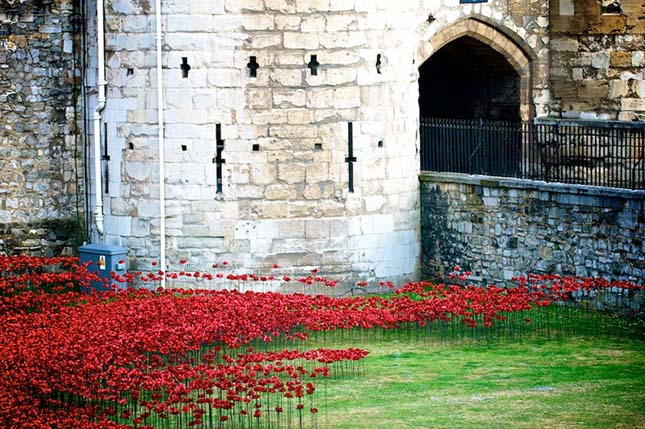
{"points": [[597, 123], [526, 184]]}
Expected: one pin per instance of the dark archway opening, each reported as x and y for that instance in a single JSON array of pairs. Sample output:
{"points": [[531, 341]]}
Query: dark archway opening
{"points": [[467, 79]]}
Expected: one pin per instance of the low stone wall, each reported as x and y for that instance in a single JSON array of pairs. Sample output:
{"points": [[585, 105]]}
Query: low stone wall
{"points": [[614, 299], [498, 228]]}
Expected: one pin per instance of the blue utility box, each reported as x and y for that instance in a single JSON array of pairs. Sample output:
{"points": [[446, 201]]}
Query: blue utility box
{"points": [[105, 259]]}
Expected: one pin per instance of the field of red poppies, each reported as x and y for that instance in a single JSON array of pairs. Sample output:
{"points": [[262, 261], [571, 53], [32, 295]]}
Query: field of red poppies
{"points": [[226, 358]]}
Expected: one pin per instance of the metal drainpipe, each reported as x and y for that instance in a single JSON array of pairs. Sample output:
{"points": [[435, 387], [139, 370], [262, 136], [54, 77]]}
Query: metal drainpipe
{"points": [[162, 171], [98, 183]]}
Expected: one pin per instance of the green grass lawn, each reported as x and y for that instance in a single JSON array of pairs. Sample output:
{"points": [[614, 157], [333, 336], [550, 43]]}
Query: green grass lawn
{"points": [[573, 382]]}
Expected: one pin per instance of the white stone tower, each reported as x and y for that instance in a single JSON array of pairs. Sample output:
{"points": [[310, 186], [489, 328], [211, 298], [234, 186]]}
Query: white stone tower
{"points": [[259, 97]]}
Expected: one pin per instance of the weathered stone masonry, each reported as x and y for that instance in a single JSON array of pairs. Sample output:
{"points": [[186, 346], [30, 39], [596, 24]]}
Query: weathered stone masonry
{"points": [[285, 193], [40, 170], [598, 59], [499, 228]]}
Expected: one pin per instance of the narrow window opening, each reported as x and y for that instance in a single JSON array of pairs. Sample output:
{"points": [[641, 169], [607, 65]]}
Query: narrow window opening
{"points": [[106, 158], [313, 65], [185, 67], [218, 160], [253, 66], [351, 159]]}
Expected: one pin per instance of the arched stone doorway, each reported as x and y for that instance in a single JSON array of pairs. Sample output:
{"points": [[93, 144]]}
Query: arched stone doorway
{"points": [[473, 70], [466, 79]]}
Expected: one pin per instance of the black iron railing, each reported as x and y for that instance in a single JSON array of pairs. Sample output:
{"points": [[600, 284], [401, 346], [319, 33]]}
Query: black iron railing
{"points": [[601, 154]]}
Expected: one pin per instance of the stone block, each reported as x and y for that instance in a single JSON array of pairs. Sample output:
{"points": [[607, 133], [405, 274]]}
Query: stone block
{"points": [[291, 173], [257, 98], [263, 41], [640, 88], [341, 5], [223, 23], [491, 201], [186, 117], [148, 209], [576, 74], [225, 78], [364, 242], [593, 89], [345, 98], [258, 22], [633, 104], [297, 40], [564, 45], [383, 224], [278, 192], [285, 98], [126, 7], [567, 8], [274, 117], [374, 203], [292, 228], [244, 5], [320, 98], [301, 116], [600, 60], [189, 23], [341, 39], [341, 23], [140, 171], [270, 210], [206, 7], [286, 22], [312, 24], [293, 131], [263, 174], [621, 59], [317, 172], [618, 88], [312, 6], [312, 192], [287, 77], [317, 228], [332, 77]]}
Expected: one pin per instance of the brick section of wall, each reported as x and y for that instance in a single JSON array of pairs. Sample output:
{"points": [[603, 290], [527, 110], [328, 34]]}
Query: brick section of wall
{"points": [[500, 228], [598, 59], [39, 143]]}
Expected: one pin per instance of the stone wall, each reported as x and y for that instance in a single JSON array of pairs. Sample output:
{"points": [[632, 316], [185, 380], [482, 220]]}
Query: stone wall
{"points": [[598, 58], [39, 146], [285, 194], [500, 228]]}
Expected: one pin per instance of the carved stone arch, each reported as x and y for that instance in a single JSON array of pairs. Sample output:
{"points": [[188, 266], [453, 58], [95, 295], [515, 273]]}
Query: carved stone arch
{"points": [[510, 46]]}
